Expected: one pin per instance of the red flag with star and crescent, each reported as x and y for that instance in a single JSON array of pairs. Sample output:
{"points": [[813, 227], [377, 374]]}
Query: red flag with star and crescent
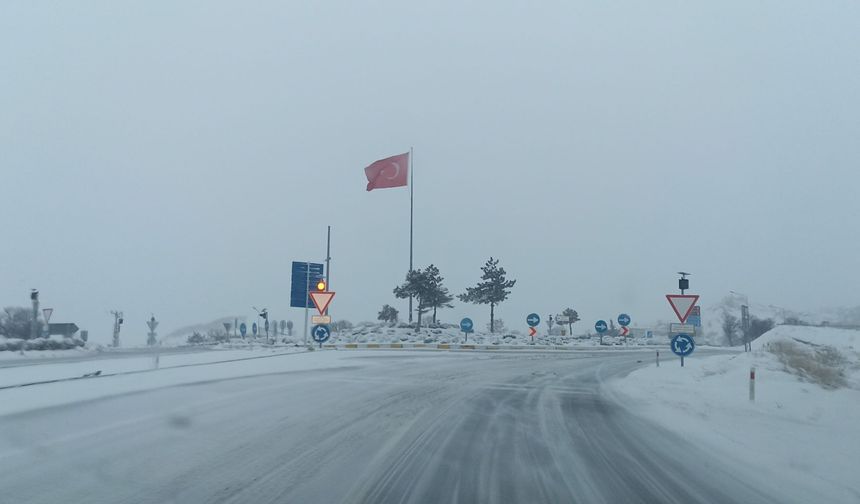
{"points": [[389, 172]]}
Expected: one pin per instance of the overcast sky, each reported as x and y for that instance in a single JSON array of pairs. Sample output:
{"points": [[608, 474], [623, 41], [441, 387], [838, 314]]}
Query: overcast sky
{"points": [[175, 157]]}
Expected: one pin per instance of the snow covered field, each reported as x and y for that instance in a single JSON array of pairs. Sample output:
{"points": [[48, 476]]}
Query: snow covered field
{"points": [[803, 424], [139, 374]]}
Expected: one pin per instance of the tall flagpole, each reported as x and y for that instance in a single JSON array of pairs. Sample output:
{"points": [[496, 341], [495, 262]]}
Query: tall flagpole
{"points": [[411, 211]]}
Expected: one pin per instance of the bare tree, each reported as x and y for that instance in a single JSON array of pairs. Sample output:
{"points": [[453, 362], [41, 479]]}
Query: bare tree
{"points": [[731, 325]]}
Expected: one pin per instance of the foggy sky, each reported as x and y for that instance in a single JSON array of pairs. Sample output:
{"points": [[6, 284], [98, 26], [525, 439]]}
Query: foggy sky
{"points": [[174, 157]]}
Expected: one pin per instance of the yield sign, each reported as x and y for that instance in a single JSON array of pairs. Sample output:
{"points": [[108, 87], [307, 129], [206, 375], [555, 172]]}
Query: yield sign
{"points": [[321, 300], [47, 312], [682, 304]]}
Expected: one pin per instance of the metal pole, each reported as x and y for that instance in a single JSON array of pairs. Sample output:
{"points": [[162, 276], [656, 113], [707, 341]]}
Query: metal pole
{"points": [[658, 358], [752, 384], [34, 321], [411, 212], [307, 289], [327, 263], [682, 361]]}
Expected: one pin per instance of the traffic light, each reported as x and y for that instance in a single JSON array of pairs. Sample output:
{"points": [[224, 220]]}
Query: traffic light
{"points": [[321, 285], [265, 316]]}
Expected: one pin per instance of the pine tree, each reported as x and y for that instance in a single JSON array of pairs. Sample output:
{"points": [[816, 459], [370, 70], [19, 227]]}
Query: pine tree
{"points": [[572, 316], [418, 286], [492, 290], [388, 314], [437, 295]]}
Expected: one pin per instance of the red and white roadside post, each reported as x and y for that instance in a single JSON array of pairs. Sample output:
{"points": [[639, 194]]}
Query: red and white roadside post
{"points": [[752, 384]]}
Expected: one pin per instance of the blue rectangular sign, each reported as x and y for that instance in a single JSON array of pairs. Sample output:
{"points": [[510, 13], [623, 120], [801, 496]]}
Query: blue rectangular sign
{"points": [[299, 284]]}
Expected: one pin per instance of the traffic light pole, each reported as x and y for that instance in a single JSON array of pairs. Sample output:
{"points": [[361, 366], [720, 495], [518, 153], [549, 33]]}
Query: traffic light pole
{"points": [[307, 295], [328, 263]]}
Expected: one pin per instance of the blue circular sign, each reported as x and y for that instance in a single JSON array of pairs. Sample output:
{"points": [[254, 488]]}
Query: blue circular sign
{"points": [[243, 329], [533, 320], [682, 345], [320, 333], [466, 325], [624, 320], [254, 328], [601, 326]]}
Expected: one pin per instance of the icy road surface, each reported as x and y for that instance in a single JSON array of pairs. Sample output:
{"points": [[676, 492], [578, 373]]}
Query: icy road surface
{"points": [[374, 427]]}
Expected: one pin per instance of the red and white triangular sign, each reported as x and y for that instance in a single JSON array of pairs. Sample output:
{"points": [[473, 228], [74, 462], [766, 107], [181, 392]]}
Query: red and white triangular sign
{"points": [[47, 312], [322, 300], [682, 304]]}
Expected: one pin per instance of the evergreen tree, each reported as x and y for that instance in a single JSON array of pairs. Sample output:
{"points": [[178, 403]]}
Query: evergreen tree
{"points": [[572, 317], [437, 295], [388, 314], [492, 290], [418, 286]]}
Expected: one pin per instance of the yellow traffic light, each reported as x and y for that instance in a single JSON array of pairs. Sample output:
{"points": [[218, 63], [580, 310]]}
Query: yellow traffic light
{"points": [[321, 286]]}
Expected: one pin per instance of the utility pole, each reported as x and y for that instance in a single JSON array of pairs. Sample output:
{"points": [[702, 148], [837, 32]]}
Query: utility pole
{"points": [[745, 327], [34, 319], [307, 295], [117, 322], [328, 263]]}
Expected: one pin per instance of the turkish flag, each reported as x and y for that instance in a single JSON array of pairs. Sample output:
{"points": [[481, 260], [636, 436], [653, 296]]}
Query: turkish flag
{"points": [[388, 172]]}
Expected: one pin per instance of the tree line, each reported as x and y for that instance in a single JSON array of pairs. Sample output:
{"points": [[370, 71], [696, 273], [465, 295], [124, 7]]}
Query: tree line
{"points": [[427, 287]]}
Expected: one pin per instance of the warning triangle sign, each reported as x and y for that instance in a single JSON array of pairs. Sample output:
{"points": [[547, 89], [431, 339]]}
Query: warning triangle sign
{"points": [[321, 300], [682, 304]]}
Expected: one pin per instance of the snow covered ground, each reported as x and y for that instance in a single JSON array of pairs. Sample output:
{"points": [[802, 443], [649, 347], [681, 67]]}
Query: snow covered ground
{"points": [[803, 423], [369, 332], [123, 376], [10, 376]]}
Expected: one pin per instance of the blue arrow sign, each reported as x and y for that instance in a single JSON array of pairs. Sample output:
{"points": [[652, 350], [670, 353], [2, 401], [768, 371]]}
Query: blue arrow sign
{"points": [[466, 325], [243, 329], [533, 320], [601, 326], [320, 333], [624, 320], [682, 345]]}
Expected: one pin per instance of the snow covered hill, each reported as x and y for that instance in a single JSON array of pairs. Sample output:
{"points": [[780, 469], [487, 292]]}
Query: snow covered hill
{"points": [[802, 424]]}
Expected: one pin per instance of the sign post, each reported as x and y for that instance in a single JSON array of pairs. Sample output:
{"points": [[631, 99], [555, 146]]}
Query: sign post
{"points": [[682, 345], [47, 312], [467, 326], [624, 321], [533, 320], [321, 334], [304, 275], [601, 327], [682, 305]]}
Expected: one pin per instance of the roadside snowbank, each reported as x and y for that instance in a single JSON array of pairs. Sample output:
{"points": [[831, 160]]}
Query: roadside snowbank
{"points": [[17, 400], [10, 376], [801, 430]]}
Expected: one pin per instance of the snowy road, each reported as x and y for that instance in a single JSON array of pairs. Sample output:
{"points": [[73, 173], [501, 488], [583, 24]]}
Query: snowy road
{"points": [[375, 427]]}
